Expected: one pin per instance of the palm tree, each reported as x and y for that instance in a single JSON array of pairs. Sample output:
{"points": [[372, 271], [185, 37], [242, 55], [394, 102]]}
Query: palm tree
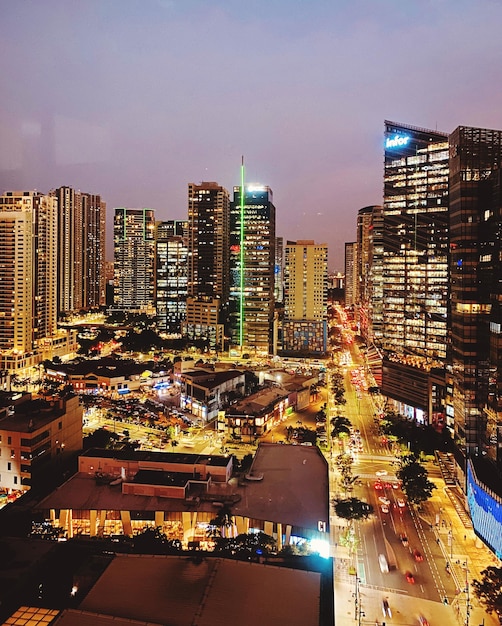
{"points": [[220, 524]]}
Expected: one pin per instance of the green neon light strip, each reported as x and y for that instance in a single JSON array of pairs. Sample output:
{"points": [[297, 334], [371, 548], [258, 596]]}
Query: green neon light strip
{"points": [[241, 295]]}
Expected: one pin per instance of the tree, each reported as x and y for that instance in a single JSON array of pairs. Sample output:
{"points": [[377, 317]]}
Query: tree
{"points": [[150, 541], [489, 590], [414, 478], [223, 521], [340, 426], [352, 509]]}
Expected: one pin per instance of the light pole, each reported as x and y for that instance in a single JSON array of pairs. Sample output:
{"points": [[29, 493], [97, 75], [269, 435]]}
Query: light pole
{"points": [[468, 603]]}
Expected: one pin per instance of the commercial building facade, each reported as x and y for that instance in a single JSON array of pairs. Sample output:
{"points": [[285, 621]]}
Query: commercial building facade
{"points": [[252, 262], [134, 250], [81, 250], [171, 274], [305, 297]]}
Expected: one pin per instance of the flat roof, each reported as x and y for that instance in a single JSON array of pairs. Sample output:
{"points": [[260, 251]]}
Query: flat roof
{"points": [[181, 591], [32, 415], [186, 458], [293, 489]]}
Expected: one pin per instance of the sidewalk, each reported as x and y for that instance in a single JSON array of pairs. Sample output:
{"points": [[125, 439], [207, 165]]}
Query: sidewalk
{"points": [[465, 553], [467, 557]]}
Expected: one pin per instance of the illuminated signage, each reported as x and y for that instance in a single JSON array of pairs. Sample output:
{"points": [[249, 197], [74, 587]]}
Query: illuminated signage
{"points": [[397, 141]]}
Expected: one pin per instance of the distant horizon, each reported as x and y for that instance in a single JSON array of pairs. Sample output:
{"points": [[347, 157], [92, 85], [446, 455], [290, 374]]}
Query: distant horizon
{"points": [[133, 100]]}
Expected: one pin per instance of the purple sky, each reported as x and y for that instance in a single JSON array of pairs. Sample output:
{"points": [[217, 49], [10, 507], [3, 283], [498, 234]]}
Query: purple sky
{"points": [[133, 99]]}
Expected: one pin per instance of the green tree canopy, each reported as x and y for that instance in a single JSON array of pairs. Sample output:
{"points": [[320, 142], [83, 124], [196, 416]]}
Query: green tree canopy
{"points": [[414, 478], [340, 426], [489, 589], [352, 509]]}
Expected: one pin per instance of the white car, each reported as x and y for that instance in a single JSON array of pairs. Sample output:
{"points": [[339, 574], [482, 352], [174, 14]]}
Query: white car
{"points": [[381, 473], [384, 500], [401, 503]]}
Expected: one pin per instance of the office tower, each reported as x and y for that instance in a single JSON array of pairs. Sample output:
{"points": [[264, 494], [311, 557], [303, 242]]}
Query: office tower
{"points": [[475, 270], [350, 273], [305, 297], [208, 213], [279, 270], [134, 252], [252, 261], [369, 273], [415, 256], [81, 250], [171, 274], [28, 248]]}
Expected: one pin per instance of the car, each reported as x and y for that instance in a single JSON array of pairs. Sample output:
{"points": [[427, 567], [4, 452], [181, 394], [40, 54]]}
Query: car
{"points": [[409, 578], [422, 621], [378, 485], [404, 540], [401, 503], [385, 508], [382, 562], [381, 473], [418, 556], [386, 608], [384, 500]]}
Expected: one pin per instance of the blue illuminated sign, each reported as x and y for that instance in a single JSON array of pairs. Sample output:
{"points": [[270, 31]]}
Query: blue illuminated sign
{"points": [[486, 513], [397, 141]]}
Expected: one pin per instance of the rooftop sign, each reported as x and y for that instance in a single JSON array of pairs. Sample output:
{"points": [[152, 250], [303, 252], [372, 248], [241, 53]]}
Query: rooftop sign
{"points": [[397, 140]]}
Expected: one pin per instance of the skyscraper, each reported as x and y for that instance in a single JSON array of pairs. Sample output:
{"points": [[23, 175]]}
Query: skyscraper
{"points": [[171, 274], [305, 297], [351, 276], [369, 272], [415, 261], [252, 261], [475, 270], [208, 214], [28, 249], [279, 270], [81, 250], [134, 251]]}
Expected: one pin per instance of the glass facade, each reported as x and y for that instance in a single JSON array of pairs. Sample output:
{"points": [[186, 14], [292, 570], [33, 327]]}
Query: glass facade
{"points": [[415, 244], [475, 269], [134, 250], [171, 260], [252, 263]]}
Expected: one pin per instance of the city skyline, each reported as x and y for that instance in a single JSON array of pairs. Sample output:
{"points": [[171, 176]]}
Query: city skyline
{"points": [[133, 101]]}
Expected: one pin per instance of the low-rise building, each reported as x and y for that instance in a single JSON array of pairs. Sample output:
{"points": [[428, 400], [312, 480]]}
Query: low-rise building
{"points": [[204, 392], [34, 431], [285, 494]]}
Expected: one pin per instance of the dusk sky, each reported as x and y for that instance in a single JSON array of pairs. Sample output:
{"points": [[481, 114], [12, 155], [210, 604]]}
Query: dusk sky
{"points": [[134, 99]]}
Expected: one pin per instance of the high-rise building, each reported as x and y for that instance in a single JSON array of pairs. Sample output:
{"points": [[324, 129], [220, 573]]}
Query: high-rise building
{"points": [[305, 297], [134, 253], [476, 293], [171, 274], [208, 221], [28, 255], [279, 270], [369, 273], [350, 273], [252, 262], [415, 261], [81, 250]]}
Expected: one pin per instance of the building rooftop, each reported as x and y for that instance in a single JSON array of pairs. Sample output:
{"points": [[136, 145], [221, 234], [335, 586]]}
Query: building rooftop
{"points": [[258, 402], [184, 458], [290, 486], [31, 415], [210, 379], [181, 591]]}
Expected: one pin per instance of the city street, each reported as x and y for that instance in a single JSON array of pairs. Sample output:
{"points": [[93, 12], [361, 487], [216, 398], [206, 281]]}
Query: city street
{"points": [[432, 546]]}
